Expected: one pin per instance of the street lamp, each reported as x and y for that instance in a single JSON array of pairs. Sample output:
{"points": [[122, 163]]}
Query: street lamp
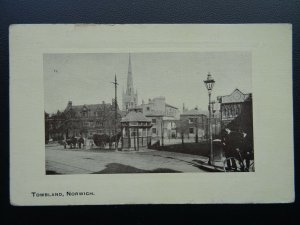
{"points": [[209, 83], [213, 118]]}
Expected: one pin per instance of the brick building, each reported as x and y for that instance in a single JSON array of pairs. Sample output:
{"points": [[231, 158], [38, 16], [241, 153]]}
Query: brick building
{"points": [[194, 124], [83, 120]]}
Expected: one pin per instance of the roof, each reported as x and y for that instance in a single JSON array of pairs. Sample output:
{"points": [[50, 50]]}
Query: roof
{"points": [[171, 106], [90, 107], [194, 112], [134, 116], [235, 97], [123, 113]]}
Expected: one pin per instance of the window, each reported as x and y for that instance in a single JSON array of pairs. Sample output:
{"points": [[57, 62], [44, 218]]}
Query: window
{"points": [[153, 120], [191, 130], [191, 120], [98, 123], [230, 113], [84, 114], [154, 130], [148, 108]]}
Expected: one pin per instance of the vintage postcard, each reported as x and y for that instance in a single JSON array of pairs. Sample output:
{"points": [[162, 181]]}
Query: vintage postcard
{"points": [[151, 114]]}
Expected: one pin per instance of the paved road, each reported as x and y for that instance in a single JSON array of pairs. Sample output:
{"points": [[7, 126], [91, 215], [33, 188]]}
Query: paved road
{"points": [[76, 161]]}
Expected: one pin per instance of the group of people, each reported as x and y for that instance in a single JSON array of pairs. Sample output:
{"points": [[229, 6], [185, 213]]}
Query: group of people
{"points": [[74, 142], [237, 145]]}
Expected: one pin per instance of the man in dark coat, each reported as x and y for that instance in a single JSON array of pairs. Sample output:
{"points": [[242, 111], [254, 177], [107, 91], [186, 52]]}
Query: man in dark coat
{"points": [[73, 141], [228, 149], [80, 142], [234, 148], [247, 150], [238, 147]]}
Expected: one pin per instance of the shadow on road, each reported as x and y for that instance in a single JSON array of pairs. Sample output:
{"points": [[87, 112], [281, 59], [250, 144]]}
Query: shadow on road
{"points": [[120, 168], [51, 172]]}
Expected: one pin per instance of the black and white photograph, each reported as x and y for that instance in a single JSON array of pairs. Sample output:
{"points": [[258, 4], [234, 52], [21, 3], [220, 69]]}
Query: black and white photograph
{"points": [[152, 112]]}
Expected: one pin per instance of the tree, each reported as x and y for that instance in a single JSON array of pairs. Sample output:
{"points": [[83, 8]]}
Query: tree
{"points": [[196, 125], [110, 124], [106, 120], [182, 127], [46, 117]]}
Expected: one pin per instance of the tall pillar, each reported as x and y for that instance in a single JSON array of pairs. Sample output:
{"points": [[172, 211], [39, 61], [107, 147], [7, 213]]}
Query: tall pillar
{"points": [[147, 137], [143, 137], [137, 137], [134, 138], [122, 144], [129, 141]]}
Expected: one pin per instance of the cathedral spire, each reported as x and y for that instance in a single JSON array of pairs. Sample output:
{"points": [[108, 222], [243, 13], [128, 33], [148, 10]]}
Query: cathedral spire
{"points": [[129, 65], [129, 90], [130, 98]]}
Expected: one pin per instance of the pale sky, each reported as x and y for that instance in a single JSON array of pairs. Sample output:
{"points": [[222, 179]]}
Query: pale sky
{"points": [[86, 78]]}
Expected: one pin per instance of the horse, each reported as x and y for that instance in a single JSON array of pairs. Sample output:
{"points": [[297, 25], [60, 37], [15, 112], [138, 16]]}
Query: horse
{"points": [[101, 140], [80, 142], [71, 142], [116, 138]]}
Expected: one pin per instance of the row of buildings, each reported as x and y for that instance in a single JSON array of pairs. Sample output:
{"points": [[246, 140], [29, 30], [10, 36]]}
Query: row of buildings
{"points": [[155, 120]]}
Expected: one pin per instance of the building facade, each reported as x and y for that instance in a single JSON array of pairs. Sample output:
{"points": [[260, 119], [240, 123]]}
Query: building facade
{"points": [[84, 120], [163, 118], [193, 124], [231, 106], [130, 96]]}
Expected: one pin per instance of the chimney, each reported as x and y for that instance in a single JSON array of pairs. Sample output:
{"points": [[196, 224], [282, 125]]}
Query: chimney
{"points": [[103, 102], [70, 104]]}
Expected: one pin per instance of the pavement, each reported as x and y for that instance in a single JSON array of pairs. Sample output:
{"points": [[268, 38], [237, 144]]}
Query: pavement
{"points": [[82, 161]]}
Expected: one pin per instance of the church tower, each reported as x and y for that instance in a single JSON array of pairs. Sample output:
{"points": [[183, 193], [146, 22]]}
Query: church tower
{"points": [[130, 98]]}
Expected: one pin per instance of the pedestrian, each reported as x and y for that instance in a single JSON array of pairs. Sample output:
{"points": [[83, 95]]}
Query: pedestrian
{"points": [[74, 141], [84, 143], [238, 147], [80, 142], [248, 150], [228, 146]]}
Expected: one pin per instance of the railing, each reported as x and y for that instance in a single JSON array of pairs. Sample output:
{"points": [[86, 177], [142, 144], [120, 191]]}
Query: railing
{"points": [[135, 142]]}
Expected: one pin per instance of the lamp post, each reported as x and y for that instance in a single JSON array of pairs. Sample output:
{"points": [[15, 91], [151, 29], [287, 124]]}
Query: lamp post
{"points": [[213, 118], [209, 83], [116, 112]]}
